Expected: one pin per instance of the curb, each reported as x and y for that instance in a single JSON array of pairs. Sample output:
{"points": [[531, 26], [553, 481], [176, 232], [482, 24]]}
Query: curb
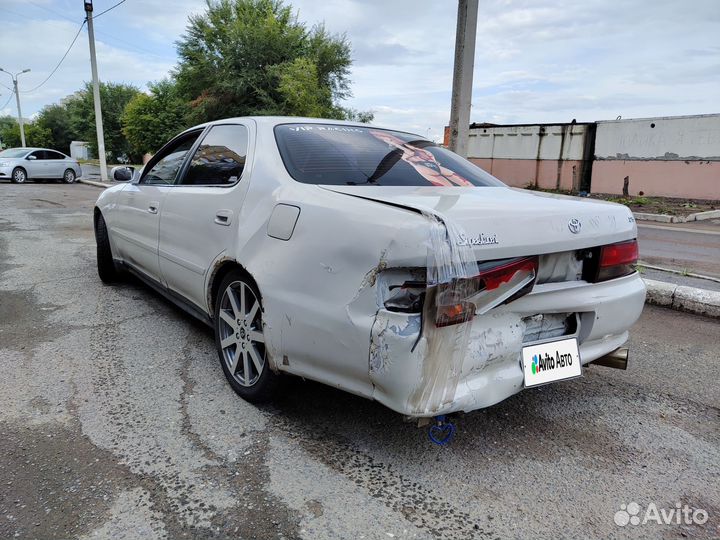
{"points": [[93, 183], [662, 218], [682, 298]]}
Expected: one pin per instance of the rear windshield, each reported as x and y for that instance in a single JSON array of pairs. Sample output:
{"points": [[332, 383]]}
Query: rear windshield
{"points": [[350, 155], [14, 152]]}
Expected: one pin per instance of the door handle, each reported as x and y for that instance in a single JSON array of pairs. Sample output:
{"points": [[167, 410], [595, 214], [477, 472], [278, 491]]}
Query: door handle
{"points": [[223, 217], [153, 207]]}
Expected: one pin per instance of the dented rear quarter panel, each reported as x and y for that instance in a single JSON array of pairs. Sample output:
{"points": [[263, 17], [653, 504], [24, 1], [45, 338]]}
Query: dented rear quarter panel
{"points": [[318, 287]]}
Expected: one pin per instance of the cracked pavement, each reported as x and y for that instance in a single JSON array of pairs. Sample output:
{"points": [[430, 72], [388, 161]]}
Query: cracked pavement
{"points": [[116, 422]]}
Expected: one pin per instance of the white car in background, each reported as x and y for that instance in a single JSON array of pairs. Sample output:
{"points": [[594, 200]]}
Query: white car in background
{"points": [[374, 261], [21, 164]]}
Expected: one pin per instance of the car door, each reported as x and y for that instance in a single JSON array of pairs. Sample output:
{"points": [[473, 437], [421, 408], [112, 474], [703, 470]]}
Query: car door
{"points": [[55, 164], [35, 164], [136, 220], [199, 217]]}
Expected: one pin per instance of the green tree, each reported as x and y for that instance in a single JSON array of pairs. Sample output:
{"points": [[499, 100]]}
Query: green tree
{"points": [[55, 118], [114, 98], [244, 57], [6, 123], [150, 120], [35, 135]]}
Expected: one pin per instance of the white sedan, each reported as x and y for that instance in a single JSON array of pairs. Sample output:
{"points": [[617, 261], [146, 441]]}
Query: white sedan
{"points": [[374, 261], [39, 164]]}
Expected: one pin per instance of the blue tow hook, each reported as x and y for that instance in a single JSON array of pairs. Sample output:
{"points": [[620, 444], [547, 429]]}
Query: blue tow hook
{"points": [[442, 431]]}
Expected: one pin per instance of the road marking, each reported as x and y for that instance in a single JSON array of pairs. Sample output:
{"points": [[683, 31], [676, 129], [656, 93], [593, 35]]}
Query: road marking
{"points": [[679, 229]]}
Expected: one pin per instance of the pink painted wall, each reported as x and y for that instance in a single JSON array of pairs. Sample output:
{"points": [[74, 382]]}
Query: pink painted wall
{"points": [[690, 179], [521, 172]]}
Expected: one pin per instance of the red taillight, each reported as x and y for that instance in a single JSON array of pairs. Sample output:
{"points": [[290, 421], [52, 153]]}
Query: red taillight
{"points": [[615, 254], [617, 260], [502, 274], [498, 282]]}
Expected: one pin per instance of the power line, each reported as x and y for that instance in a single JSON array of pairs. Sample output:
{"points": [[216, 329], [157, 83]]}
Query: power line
{"points": [[8, 101], [51, 11], [108, 9], [59, 63]]}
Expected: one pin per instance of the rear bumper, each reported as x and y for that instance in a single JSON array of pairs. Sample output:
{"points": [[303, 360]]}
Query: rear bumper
{"points": [[491, 362]]}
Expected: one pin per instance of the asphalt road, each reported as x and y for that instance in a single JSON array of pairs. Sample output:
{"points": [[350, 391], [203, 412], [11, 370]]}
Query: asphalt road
{"points": [[694, 247], [116, 422]]}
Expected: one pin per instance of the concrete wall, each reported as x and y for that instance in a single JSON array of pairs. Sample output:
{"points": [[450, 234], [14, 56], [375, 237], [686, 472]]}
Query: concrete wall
{"points": [[667, 156], [547, 156], [683, 179]]}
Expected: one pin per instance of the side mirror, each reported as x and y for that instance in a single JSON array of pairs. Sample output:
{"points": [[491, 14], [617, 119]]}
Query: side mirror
{"points": [[122, 173], [31, 158]]}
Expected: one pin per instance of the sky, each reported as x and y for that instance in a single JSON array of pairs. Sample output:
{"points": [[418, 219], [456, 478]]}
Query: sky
{"points": [[535, 60]]}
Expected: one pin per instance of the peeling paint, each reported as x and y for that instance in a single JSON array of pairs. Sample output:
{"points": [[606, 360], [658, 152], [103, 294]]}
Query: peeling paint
{"points": [[379, 357], [371, 277]]}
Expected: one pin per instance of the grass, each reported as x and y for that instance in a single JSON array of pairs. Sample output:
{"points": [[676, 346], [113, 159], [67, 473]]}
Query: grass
{"points": [[631, 201]]}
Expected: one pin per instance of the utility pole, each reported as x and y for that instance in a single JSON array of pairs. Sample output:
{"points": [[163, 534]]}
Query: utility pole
{"points": [[96, 93], [463, 75], [14, 77]]}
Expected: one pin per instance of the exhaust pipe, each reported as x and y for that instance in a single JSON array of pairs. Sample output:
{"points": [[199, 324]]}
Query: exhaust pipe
{"points": [[617, 359]]}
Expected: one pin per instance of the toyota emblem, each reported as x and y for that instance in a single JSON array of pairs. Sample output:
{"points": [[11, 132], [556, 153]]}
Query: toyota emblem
{"points": [[574, 225]]}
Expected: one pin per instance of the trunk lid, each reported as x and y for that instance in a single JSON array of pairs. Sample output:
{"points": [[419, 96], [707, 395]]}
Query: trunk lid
{"points": [[507, 222]]}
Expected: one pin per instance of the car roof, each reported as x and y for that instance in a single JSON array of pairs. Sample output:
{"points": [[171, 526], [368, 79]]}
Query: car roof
{"points": [[271, 121], [49, 149], [275, 120], [33, 148]]}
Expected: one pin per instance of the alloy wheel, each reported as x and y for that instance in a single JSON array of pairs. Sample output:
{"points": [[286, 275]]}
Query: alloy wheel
{"points": [[19, 176], [69, 176], [241, 333]]}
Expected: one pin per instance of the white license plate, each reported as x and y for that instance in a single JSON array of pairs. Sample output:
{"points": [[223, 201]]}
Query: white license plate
{"points": [[549, 362]]}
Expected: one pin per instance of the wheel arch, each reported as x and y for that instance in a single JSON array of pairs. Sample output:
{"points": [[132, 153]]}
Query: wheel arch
{"points": [[23, 169], [221, 269], [96, 213]]}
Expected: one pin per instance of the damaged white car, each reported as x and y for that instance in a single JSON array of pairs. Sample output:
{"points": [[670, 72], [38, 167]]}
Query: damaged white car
{"points": [[374, 261]]}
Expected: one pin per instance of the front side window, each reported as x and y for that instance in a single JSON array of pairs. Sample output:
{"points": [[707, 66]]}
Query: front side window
{"points": [[220, 158], [168, 164], [351, 155], [38, 154]]}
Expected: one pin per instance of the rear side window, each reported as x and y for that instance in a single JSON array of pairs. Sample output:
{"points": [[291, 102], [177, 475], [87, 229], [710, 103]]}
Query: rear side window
{"points": [[49, 154], [220, 158], [349, 155]]}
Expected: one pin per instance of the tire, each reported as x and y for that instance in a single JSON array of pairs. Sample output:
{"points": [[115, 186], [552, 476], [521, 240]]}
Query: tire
{"points": [[69, 176], [239, 326], [105, 264], [19, 175]]}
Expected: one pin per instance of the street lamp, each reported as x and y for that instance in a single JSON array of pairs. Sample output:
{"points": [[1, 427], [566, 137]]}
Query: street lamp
{"points": [[14, 77]]}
